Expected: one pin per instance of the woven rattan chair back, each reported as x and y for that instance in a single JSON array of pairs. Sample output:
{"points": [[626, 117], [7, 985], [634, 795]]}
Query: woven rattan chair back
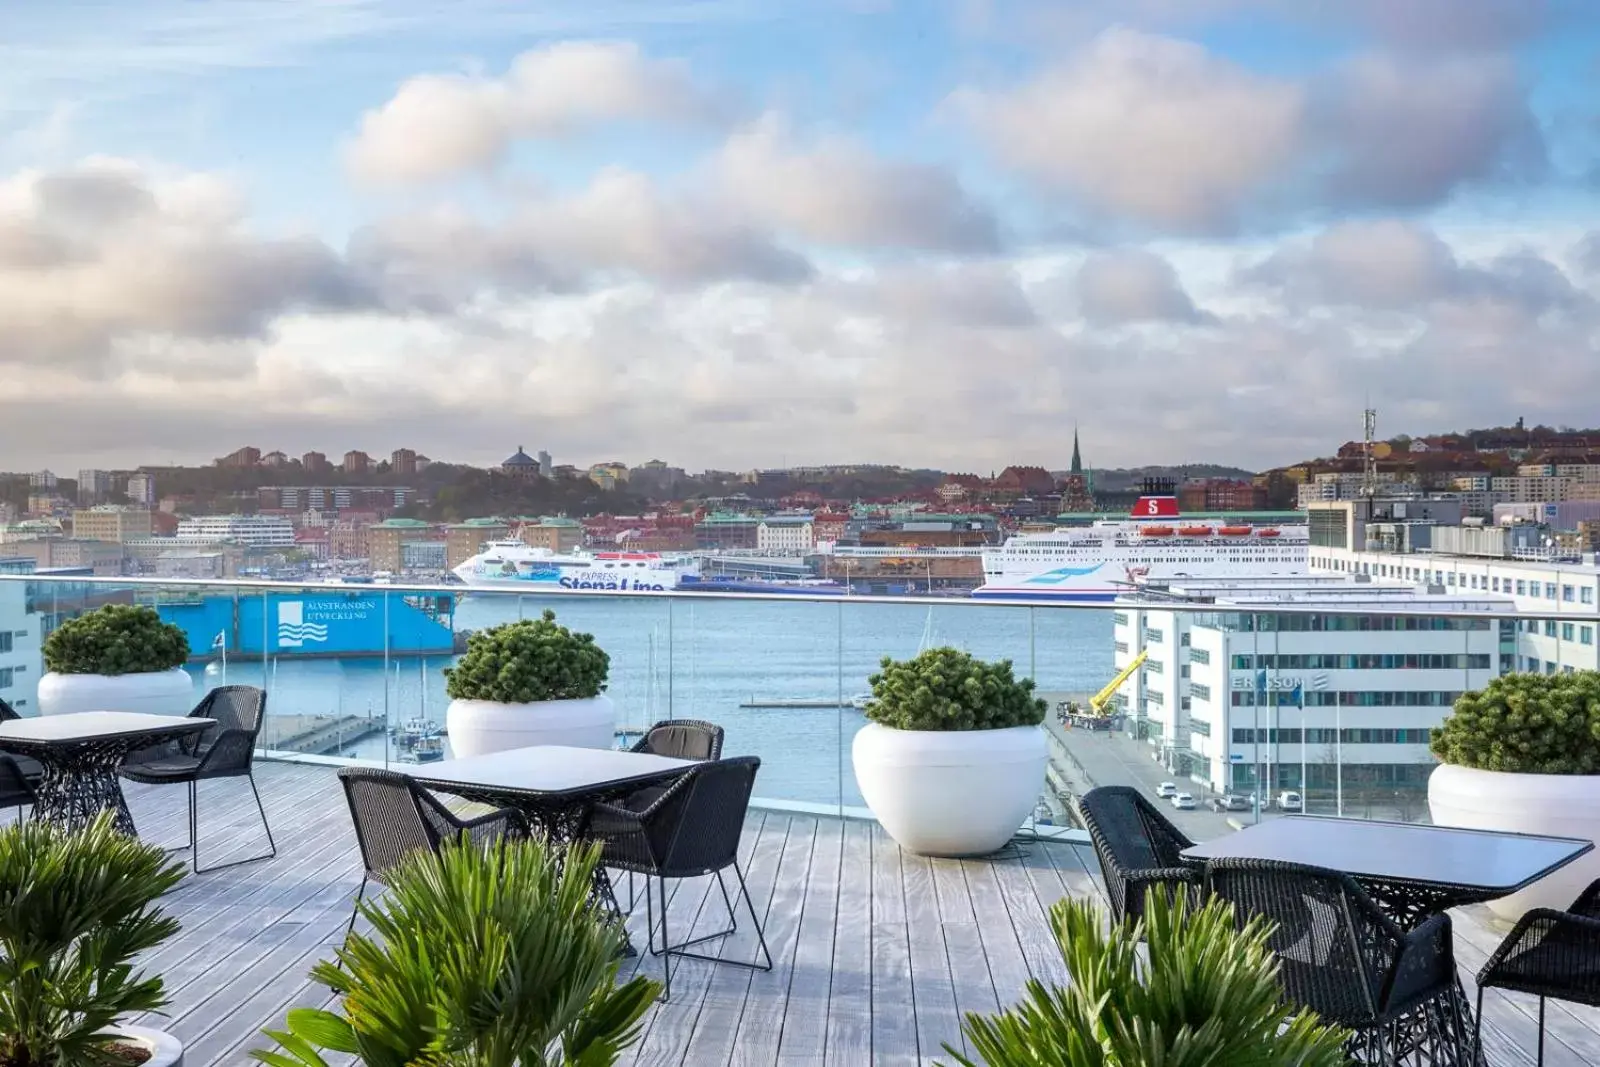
{"points": [[682, 739]]}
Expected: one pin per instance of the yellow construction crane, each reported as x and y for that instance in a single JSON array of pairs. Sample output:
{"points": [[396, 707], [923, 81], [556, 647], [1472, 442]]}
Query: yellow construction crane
{"points": [[1099, 702]]}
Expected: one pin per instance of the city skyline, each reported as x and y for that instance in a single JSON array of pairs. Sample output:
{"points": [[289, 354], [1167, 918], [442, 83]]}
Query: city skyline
{"points": [[734, 232]]}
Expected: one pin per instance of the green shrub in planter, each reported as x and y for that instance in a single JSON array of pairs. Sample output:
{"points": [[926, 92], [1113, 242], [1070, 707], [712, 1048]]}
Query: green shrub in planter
{"points": [[116, 639], [947, 689], [479, 958], [1205, 994], [1526, 723], [529, 661], [76, 910]]}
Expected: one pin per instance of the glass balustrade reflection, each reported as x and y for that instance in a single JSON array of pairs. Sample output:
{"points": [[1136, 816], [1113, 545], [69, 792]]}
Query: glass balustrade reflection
{"points": [[1251, 713]]}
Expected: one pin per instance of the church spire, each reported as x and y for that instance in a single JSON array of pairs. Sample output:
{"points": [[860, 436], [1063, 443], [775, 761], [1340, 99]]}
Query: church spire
{"points": [[1077, 456]]}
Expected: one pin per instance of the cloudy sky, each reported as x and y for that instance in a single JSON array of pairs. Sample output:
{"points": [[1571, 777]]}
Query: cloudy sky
{"points": [[741, 233]]}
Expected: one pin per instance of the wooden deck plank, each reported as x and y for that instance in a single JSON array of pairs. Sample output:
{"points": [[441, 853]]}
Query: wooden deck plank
{"points": [[761, 1022], [894, 1019], [1000, 941], [723, 1004], [932, 988], [674, 1022], [849, 1038], [804, 1035], [1030, 921]]}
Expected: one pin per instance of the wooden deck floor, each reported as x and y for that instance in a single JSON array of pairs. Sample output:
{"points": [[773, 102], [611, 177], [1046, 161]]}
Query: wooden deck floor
{"points": [[876, 953]]}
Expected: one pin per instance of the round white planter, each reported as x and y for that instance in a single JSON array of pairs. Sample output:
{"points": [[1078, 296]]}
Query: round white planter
{"points": [[1560, 805], [950, 793], [165, 1050], [156, 692], [478, 727]]}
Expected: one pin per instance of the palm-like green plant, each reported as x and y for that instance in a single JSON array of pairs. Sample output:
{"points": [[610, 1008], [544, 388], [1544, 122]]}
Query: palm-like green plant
{"points": [[1207, 997], [75, 909], [481, 958]]}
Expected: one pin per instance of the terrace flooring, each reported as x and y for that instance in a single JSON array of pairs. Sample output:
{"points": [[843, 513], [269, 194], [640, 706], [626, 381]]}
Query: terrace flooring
{"points": [[876, 952]]}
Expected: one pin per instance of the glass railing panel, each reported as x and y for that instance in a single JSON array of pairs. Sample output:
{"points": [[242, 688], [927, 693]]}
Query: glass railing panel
{"points": [[768, 672], [1331, 704]]}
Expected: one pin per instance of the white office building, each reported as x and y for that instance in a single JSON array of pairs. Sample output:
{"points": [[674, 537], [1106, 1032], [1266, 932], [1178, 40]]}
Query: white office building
{"points": [[1291, 683], [19, 639], [264, 531], [785, 535], [1560, 637]]}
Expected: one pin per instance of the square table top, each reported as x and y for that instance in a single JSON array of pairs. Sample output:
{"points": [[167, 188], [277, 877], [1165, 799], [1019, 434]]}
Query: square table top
{"points": [[82, 726], [551, 770], [1395, 851]]}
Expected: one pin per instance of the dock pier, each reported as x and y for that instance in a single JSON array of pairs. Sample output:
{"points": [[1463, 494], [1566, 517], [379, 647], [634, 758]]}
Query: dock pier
{"points": [[318, 735]]}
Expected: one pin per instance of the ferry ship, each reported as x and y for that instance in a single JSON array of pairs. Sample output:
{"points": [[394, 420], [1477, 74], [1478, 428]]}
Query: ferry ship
{"points": [[1100, 562], [517, 565]]}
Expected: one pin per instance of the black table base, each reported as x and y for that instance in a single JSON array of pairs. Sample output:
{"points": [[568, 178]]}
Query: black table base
{"points": [[79, 783], [1437, 1033]]}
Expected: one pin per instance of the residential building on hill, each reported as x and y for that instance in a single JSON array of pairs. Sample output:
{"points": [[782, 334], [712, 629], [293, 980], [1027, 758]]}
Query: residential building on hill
{"points": [[403, 461], [785, 535], [93, 486], [248, 456], [314, 462], [142, 489], [356, 462], [257, 530], [111, 523], [463, 540]]}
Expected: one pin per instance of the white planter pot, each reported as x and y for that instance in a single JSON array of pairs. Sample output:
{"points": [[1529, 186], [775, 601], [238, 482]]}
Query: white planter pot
{"points": [[165, 1050], [950, 793], [478, 727], [155, 692], [1559, 805]]}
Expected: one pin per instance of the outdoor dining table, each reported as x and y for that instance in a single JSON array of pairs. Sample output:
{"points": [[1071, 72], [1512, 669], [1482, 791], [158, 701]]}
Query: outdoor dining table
{"points": [[552, 787], [81, 754], [1411, 870]]}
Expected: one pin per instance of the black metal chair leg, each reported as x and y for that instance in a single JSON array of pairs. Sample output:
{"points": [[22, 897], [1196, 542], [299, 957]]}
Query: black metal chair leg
{"points": [[666, 956], [1477, 1031], [761, 939], [733, 926], [194, 834], [1541, 1032]]}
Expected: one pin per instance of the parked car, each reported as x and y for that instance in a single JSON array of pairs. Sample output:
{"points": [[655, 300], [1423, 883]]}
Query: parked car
{"points": [[1230, 802], [1167, 790], [1183, 802], [1289, 801]]}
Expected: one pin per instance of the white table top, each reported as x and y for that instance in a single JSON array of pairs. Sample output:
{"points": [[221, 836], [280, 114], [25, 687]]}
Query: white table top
{"points": [[91, 725], [550, 769], [1411, 852]]}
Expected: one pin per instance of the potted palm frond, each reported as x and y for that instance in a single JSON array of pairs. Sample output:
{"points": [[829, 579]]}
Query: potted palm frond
{"points": [[951, 760], [76, 910], [529, 682], [1205, 994], [119, 657], [1523, 755], [492, 957]]}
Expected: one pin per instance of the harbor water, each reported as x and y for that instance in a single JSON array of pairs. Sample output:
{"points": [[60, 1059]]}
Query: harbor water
{"points": [[703, 659]]}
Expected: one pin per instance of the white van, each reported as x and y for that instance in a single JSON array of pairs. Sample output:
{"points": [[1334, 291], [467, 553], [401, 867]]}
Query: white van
{"points": [[1289, 801]]}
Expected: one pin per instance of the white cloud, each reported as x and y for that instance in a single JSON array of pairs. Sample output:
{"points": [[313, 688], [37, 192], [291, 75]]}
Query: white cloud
{"points": [[1163, 133], [102, 254], [438, 125], [1129, 285], [1147, 127], [836, 191]]}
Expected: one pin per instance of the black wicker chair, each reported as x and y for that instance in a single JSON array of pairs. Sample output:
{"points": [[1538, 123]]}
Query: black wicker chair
{"points": [[29, 767], [1549, 953], [691, 829], [682, 739], [225, 750], [15, 789], [1343, 958], [395, 817], [1138, 848]]}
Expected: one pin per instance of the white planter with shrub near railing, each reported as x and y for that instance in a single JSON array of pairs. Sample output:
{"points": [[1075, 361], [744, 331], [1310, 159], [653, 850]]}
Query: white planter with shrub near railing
{"points": [[1521, 756], [116, 658], [526, 683], [953, 759]]}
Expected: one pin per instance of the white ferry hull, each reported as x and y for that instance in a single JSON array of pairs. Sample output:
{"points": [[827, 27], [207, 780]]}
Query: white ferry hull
{"points": [[511, 566]]}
